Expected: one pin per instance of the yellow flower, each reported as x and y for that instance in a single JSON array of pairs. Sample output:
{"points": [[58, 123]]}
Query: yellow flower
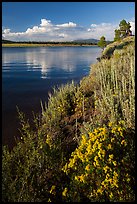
{"points": [[95, 158], [114, 163], [123, 142], [49, 200], [100, 190], [52, 189], [99, 155], [76, 178], [87, 168], [115, 183], [99, 145], [97, 163], [65, 168], [115, 174], [106, 168], [119, 129], [114, 130], [111, 195], [104, 183], [80, 155], [94, 163], [48, 140], [107, 176], [89, 149], [90, 134], [112, 139], [81, 178], [110, 124], [64, 193], [103, 152], [110, 180], [84, 139], [95, 131], [111, 156], [128, 179], [109, 146]]}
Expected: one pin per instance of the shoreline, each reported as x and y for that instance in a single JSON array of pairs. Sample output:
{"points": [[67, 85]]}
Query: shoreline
{"points": [[44, 45]]}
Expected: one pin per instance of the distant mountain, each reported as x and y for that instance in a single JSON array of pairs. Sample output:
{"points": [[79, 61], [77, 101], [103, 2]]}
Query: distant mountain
{"points": [[94, 41], [86, 40], [7, 41]]}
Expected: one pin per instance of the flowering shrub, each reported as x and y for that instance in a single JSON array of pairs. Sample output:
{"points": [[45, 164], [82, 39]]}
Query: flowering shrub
{"points": [[102, 166], [72, 153]]}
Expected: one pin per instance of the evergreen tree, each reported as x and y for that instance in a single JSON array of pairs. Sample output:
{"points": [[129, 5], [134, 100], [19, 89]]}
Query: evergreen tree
{"points": [[128, 27], [117, 35], [102, 43], [124, 28], [123, 31]]}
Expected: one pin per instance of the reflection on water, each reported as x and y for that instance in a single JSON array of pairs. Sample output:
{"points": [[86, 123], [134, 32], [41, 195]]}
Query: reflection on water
{"points": [[58, 58], [28, 74], [51, 62]]}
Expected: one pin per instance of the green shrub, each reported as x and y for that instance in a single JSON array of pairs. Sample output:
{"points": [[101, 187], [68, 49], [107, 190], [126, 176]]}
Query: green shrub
{"points": [[115, 94], [82, 148], [102, 166]]}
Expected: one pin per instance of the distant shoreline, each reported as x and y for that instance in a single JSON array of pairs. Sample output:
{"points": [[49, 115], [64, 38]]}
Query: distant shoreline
{"points": [[44, 45]]}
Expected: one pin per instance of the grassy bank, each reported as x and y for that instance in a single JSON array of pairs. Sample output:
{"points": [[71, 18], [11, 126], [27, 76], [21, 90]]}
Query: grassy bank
{"points": [[82, 148], [42, 45]]}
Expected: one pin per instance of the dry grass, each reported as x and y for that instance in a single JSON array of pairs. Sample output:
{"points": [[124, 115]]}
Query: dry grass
{"points": [[40, 45], [115, 95]]}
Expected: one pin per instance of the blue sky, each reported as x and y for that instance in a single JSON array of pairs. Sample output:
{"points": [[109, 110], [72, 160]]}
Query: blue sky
{"points": [[62, 21]]}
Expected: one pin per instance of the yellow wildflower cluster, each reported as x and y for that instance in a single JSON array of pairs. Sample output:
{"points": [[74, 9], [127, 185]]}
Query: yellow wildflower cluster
{"points": [[81, 104], [81, 178], [95, 159], [60, 108]]}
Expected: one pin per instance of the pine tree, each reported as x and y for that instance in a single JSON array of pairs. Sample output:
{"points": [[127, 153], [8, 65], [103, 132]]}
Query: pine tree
{"points": [[117, 35], [102, 43], [123, 31]]}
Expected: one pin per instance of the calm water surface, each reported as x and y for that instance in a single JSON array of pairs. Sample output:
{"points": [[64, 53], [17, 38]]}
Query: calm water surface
{"points": [[28, 75]]}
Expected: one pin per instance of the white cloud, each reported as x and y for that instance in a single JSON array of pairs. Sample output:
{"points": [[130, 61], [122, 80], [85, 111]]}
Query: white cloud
{"points": [[36, 30], [47, 31], [6, 31], [93, 25], [132, 23], [67, 25], [45, 22], [98, 30], [63, 35]]}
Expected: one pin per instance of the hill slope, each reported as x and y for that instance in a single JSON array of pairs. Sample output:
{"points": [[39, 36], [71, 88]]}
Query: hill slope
{"points": [[82, 149]]}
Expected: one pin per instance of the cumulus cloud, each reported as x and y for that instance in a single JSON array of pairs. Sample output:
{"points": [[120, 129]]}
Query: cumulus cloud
{"points": [[47, 31], [132, 23], [93, 25], [45, 22], [35, 30], [106, 29], [67, 25], [6, 31]]}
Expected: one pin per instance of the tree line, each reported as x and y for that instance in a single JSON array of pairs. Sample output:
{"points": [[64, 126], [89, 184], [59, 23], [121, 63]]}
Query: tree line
{"points": [[49, 42], [122, 32]]}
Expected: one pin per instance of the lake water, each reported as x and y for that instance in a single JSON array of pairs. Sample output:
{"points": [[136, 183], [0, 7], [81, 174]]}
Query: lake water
{"points": [[28, 75]]}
